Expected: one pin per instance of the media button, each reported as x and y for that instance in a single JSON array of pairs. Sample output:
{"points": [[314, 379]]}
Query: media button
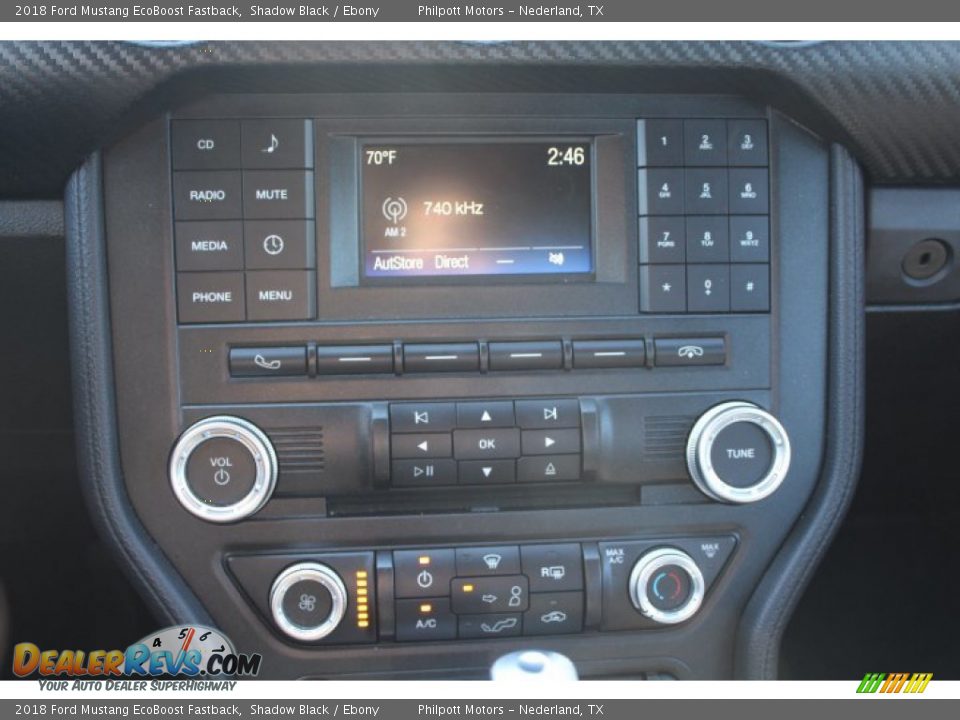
{"points": [[423, 573], [681, 352], [211, 245]]}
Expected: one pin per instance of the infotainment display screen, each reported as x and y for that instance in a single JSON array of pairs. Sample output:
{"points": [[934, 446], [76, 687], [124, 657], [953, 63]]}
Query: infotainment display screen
{"points": [[478, 207]]}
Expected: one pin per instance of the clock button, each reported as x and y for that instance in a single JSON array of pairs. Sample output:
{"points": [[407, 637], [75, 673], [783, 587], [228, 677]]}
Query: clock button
{"points": [[279, 244]]}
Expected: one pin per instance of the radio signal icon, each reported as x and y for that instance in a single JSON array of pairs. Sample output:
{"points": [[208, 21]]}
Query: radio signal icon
{"points": [[394, 209]]}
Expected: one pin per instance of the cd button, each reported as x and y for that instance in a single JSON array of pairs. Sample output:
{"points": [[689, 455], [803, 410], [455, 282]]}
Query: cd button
{"points": [[526, 355], [423, 573], [551, 442], [425, 620], [548, 468], [420, 445], [268, 361], [485, 414], [205, 144], [487, 472], [484, 444], [422, 417], [553, 567], [277, 144]]}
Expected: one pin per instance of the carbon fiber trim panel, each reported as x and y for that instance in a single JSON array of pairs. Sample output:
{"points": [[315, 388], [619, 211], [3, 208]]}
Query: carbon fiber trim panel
{"points": [[896, 105]]}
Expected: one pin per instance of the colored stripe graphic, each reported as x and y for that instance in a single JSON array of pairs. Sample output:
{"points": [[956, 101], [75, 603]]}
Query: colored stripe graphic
{"points": [[894, 683]]}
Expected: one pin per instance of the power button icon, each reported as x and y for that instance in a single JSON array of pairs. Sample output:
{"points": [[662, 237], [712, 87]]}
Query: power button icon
{"points": [[425, 579]]}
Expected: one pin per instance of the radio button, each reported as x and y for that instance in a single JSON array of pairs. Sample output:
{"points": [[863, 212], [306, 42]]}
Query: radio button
{"points": [[279, 244], [553, 567], [485, 414], [554, 614], [749, 191], [423, 573], [277, 194], [705, 142], [660, 191], [422, 473], [280, 295], [354, 360], [268, 362], [452, 357], [210, 297], [526, 355], [500, 560], [548, 468], [706, 191], [659, 142], [487, 472], [277, 144], [663, 288], [747, 142], [749, 238], [420, 445], [679, 352], [662, 240], [495, 625], [484, 444], [548, 413], [210, 245], [492, 594], [422, 417], [425, 620], [609, 353], [205, 144], [550, 442], [708, 240], [750, 288], [207, 195], [708, 288]]}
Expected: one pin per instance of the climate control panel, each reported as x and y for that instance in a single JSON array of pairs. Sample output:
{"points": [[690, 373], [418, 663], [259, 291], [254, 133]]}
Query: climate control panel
{"points": [[482, 592]]}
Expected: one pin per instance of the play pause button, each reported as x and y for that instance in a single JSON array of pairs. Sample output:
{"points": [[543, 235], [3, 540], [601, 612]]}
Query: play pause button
{"points": [[416, 473], [487, 472]]}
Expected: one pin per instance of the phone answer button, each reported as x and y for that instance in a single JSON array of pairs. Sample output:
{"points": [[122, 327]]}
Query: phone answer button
{"points": [[268, 361]]}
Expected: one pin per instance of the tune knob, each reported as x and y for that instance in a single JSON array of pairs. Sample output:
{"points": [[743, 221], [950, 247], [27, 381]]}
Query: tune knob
{"points": [[738, 453], [308, 601], [223, 469], [666, 586]]}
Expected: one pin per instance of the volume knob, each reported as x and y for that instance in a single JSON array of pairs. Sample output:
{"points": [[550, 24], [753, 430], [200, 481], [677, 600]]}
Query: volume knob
{"points": [[738, 453], [223, 469]]}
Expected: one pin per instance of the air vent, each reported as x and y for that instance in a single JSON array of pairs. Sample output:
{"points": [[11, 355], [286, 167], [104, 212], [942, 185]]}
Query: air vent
{"points": [[299, 449], [665, 436]]}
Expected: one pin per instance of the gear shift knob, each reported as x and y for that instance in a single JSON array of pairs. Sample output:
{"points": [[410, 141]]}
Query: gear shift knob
{"points": [[538, 665]]}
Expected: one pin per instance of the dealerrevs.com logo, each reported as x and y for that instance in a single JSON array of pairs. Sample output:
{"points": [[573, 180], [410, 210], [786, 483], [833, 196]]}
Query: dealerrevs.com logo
{"points": [[891, 683], [190, 651]]}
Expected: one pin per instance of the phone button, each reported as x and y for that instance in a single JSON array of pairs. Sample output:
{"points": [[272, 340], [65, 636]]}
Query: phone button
{"points": [[268, 361]]}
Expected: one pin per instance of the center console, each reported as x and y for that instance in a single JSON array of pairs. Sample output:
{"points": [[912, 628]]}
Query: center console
{"points": [[405, 382]]}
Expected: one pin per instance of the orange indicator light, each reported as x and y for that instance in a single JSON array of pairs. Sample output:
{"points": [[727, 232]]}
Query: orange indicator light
{"points": [[424, 559], [426, 607], [468, 587]]}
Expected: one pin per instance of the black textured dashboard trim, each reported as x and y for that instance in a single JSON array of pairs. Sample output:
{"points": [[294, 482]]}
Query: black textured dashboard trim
{"points": [[31, 218], [98, 453], [773, 602], [896, 105]]}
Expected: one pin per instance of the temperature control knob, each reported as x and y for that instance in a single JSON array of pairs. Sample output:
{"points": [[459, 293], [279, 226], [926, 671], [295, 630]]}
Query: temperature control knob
{"points": [[738, 453], [666, 586], [223, 469], [308, 600]]}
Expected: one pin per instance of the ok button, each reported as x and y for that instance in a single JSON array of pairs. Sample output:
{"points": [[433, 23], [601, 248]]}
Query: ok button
{"points": [[484, 444]]}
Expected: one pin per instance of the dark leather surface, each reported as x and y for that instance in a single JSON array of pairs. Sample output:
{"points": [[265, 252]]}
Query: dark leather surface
{"points": [[31, 218], [895, 105], [773, 602]]}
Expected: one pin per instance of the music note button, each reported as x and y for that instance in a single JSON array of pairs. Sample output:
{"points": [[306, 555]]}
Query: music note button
{"points": [[277, 144]]}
